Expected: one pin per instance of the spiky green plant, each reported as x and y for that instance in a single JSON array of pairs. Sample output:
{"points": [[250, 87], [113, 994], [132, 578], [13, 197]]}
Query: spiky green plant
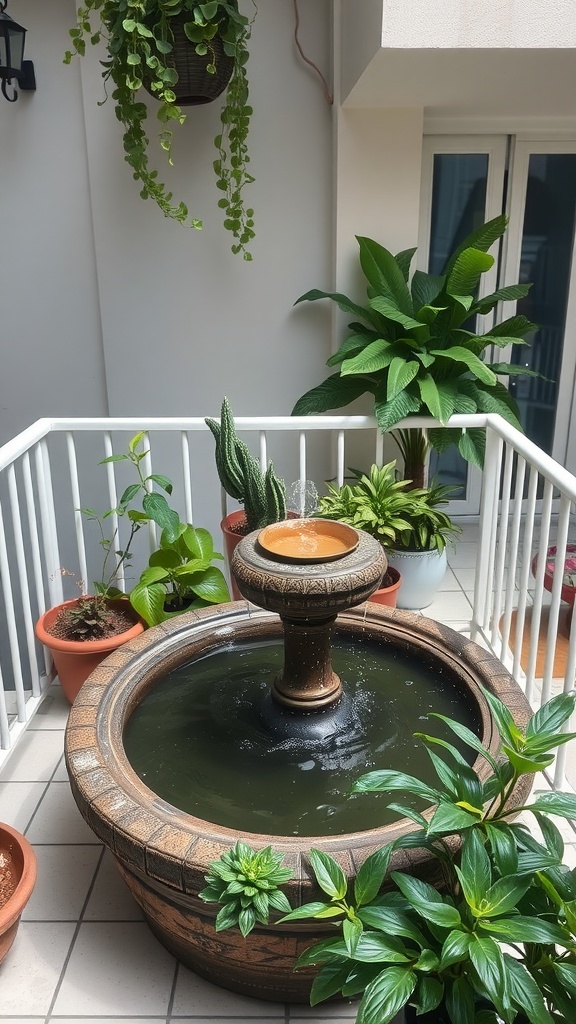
{"points": [[245, 883], [262, 494]]}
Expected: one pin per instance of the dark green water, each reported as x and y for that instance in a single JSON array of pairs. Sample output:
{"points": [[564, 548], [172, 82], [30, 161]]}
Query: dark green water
{"points": [[198, 742]]}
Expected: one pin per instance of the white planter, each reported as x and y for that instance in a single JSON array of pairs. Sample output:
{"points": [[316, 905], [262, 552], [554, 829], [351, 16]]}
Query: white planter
{"points": [[422, 573]]}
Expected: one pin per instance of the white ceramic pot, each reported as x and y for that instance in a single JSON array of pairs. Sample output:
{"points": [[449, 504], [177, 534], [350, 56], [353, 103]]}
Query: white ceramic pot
{"points": [[422, 573]]}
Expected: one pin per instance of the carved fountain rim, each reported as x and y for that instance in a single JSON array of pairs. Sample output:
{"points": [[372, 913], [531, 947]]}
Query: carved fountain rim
{"points": [[175, 847]]}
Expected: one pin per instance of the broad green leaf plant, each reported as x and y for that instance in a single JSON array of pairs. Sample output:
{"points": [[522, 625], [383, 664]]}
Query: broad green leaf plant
{"points": [[413, 346], [495, 942], [140, 42]]}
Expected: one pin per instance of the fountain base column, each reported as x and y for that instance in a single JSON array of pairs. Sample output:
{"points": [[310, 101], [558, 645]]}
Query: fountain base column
{"points": [[307, 682]]}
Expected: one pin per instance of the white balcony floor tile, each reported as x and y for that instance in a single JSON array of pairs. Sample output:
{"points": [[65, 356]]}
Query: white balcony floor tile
{"points": [[58, 820], [31, 971], [110, 899], [194, 995], [115, 970], [53, 712], [65, 874], [18, 801], [36, 757]]}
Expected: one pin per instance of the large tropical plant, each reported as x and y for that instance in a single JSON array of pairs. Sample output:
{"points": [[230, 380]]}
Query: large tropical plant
{"points": [[139, 35], [414, 347]]}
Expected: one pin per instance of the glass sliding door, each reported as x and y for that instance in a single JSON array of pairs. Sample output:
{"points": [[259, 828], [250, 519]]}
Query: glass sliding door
{"points": [[472, 179], [463, 187], [540, 250]]}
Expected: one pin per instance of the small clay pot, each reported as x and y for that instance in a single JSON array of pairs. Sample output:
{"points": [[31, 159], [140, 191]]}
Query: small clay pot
{"points": [[389, 595], [74, 660], [24, 867]]}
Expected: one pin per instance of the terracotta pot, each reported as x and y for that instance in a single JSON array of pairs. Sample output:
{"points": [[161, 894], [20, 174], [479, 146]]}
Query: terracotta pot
{"points": [[231, 538], [24, 866], [74, 660], [389, 595]]}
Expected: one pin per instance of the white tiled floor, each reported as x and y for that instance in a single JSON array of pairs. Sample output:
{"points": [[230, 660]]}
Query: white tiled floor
{"points": [[83, 953]]}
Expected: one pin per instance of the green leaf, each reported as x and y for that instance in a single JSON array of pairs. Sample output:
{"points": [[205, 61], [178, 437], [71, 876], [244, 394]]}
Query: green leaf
{"points": [[386, 308], [387, 994], [513, 329], [343, 303], [467, 736], [467, 270], [449, 818], [458, 354], [460, 1002], [387, 781], [351, 931], [148, 601], [428, 994], [528, 929], [329, 874], [472, 445], [482, 238], [486, 957], [507, 727], [504, 848], [425, 289], [329, 981], [391, 921], [163, 481], [157, 508], [373, 947], [503, 896], [475, 873], [370, 876], [211, 586], [400, 373], [404, 261], [552, 716], [510, 293], [351, 345], [438, 397], [455, 949], [333, 393], [562, 804], [227, 917], [384, 274], [304, 912], [525, 992], [372, 358], [388, 413], [130, 492], [427, 901]]}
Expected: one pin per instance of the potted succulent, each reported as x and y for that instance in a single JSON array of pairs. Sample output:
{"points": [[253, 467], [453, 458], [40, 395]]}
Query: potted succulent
{"points": [[17, 879], [263, 495], [494, 942], [412, 348], [407, 521], [147, 41]]}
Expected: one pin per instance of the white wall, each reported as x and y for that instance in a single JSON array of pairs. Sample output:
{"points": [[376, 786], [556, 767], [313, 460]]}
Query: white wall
{"points": [[49, 322], [492, 24], [108, 305]]}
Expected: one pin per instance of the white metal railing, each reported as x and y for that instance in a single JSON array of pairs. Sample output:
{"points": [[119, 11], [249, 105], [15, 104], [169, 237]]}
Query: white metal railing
{"points": [[50, 471]]}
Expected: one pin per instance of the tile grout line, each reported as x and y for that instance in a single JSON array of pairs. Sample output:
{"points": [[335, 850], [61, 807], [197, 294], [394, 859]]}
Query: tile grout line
{"points": [[79, 923]]}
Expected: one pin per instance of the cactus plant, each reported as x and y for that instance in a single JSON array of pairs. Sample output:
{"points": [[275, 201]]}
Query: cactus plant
{"points": [[262, 494]]}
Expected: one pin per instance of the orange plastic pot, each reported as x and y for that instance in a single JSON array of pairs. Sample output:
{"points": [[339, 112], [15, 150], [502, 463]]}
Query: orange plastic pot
{"points": [[74, 660], [232, 536], [388, 595], [23, 865]]}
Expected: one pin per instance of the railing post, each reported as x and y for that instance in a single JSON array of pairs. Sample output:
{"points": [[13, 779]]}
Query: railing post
{"points": [[487, 533]]}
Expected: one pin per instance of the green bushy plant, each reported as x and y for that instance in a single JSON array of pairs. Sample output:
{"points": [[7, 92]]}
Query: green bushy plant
{"points": [[399, 516], [140, 42], [262, 494], [412, 347], [246, 884], [497, 940]]}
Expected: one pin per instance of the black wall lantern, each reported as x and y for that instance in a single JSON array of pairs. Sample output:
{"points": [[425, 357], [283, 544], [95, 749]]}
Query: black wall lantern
{"points": [[12, 64]]}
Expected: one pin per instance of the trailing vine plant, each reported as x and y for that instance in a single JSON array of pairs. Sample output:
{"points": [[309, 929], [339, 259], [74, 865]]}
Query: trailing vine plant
{"points": [[140, 42]]}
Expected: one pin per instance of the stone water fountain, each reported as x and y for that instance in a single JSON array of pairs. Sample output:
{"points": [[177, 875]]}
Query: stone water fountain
{"points": [[262, 748]]}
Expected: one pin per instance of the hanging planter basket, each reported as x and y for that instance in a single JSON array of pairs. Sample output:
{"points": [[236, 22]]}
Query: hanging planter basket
{"points": [[196, 85]]}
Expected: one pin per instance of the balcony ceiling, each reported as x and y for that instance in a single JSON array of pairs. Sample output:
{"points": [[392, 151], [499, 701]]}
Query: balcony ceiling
{"points": [[485, 83]]}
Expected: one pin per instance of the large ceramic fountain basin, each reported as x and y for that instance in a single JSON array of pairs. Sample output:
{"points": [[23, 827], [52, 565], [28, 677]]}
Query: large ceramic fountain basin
{"points": [[164, 854]]}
